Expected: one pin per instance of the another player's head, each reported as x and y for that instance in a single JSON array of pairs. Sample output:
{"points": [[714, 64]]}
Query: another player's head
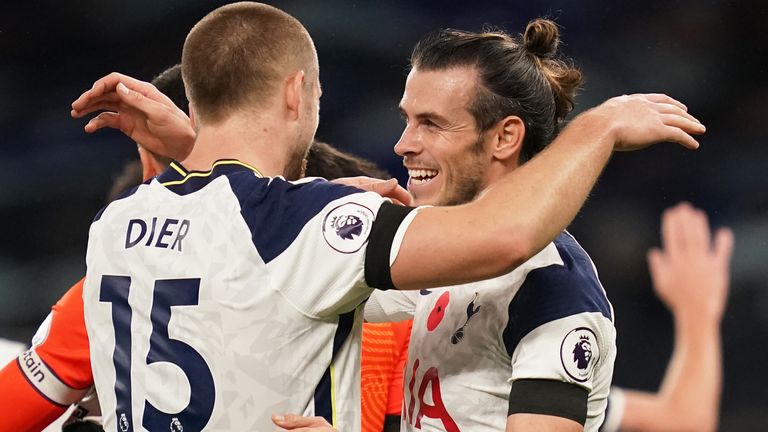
{"points": [[478, 105], [169, 82], [328, 162], [246, 60]]}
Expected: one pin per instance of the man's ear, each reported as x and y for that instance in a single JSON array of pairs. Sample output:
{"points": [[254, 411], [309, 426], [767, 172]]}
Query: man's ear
{"points": [[293, 94], [150, 166], [510, 132], [192, 117]]}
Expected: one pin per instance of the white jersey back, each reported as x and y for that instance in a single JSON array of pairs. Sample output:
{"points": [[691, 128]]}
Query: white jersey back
{"points": [[549, 319], [213, 300]]}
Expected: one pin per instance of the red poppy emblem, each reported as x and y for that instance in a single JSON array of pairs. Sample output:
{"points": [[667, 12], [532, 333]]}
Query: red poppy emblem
{"points": [[438, 312]]}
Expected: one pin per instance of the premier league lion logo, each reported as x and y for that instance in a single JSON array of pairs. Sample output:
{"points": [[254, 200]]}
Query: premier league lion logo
{"points": [[582, 352], [579, 353], [347, 226]]}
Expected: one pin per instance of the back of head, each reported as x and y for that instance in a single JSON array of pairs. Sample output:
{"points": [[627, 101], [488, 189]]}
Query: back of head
{"points": [[169, 83], [520, 76], [236, 57]]}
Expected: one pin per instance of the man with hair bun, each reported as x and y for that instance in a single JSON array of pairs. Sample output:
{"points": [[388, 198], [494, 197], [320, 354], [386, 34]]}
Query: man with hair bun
{"points": [[532, 349]]}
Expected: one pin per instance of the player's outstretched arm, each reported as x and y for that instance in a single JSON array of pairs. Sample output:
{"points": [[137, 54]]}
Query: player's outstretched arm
{"points": [[690, 275], [24, 409], [139, 110], [58, 369], [520, 214]]}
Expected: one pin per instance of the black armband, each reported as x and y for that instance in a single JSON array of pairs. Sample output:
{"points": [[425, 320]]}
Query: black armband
{"points": [[549, 397], [388, 220]]}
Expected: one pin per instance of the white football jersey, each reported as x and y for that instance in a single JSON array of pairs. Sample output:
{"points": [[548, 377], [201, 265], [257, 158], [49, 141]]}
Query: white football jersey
{"points": [[215, 299], [549, 319]]}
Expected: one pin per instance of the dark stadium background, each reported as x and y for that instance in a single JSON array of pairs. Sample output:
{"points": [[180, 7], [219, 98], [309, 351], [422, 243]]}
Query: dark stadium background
{"points": [[710, 54]]}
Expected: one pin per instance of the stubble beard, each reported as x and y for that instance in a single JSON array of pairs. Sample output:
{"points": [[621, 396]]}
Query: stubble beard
{"points": [[470, 181]]}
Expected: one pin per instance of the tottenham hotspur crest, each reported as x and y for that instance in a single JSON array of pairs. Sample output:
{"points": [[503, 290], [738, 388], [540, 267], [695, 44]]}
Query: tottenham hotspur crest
{"points": [[346, 227], [579, 353]]}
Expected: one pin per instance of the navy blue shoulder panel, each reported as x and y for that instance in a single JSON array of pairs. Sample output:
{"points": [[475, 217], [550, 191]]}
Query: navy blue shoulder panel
{"points": [[554, 292], [276, 210]]}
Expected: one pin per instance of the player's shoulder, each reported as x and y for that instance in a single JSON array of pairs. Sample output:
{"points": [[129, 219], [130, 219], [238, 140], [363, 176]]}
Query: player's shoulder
{"points": [[128, 193], [278, 211], [308, 192], [564, 275], [561, 282]]}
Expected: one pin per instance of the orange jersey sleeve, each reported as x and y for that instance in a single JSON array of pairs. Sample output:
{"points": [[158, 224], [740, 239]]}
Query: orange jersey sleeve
{"points": [[56, 372], [402, 337], [384, 353], [376, 368]]}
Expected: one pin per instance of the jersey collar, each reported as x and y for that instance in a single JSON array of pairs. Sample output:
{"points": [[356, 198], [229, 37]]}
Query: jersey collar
{"points": [[176, 174]]}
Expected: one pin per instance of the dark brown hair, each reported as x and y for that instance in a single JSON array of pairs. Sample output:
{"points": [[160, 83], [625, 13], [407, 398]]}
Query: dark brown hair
{"points": [[236, 56], [169, 83], [328, 162], [520, 76]]}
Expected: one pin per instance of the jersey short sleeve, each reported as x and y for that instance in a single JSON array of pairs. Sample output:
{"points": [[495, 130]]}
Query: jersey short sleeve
{"points": [[560, 329], [325, 230]]}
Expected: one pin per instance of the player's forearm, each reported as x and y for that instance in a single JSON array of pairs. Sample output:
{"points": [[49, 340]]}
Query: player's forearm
{"points": [[694, 379], [689, 398], [537, 201], [24, 409]]}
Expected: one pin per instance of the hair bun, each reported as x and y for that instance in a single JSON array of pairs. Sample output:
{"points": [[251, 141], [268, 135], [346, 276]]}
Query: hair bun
{"points": [[541, 38]]}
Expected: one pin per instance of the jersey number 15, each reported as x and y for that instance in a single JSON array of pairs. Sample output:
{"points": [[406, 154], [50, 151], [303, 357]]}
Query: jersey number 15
{"points": [[162, 348]]}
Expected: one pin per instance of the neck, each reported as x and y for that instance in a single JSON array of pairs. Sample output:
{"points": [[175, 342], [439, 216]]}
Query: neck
{"points": [[497, 170], [255, 141]]}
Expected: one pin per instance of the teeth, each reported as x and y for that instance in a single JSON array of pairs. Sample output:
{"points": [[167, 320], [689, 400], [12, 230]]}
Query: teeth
{"points": [[426, 174]]}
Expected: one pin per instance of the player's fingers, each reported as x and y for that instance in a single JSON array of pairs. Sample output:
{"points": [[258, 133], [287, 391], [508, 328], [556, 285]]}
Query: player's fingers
{"points": [[101, 106], [724, 246], [93, 103], [677, 135], [400, 195], [655, 265], [666, 108], [697, 231], [106, 119], [109, 84], [392, 190], [684, 123], [672, 237], [293, 421], [665, 99], [149, 107], [381, 187], [99, 87]]}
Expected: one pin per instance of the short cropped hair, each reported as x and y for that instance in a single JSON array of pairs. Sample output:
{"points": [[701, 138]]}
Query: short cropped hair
{"points": [[237, 55]]}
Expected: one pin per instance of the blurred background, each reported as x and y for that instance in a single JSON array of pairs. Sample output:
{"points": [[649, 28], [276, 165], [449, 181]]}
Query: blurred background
{"points": [[710, 54]]}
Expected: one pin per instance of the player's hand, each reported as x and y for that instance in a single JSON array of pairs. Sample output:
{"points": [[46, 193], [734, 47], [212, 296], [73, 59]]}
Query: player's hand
{"points": [[640, 120], [690, 273], [294, 422], [386, 188], [139, 110]]}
